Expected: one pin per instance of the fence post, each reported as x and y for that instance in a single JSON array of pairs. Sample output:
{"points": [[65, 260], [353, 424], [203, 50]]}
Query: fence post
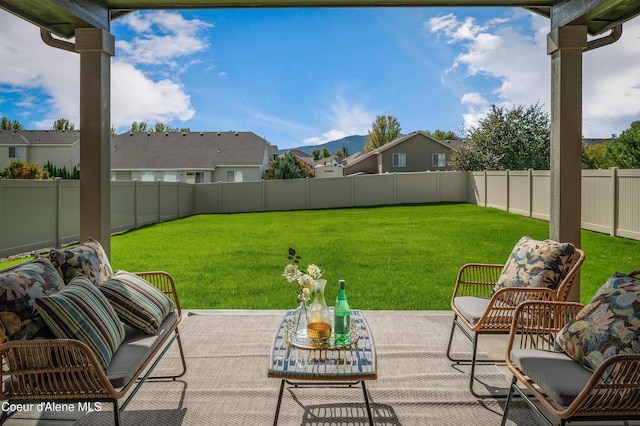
{"points": [[58, 212], [159, 200], [135, 203], [178, 197], [264, 195], [530, 192], [507, 185], [613, 201], [395, 188], [486, 189], [353, 195]]}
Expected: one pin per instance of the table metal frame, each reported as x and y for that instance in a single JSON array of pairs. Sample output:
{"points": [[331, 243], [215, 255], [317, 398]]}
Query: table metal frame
{"points": [[324, 366]]}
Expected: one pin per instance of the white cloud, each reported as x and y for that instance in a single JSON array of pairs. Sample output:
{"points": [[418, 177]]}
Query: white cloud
{"points": [[516, 58], [22, 68], [346, 119], [135, 96], [477, 107], [611, 90], [161, 38]]}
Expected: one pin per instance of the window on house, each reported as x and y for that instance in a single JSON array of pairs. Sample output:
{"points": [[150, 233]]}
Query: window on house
{"points": [[234, 176], [399, 160], [16, 152], [438, 160], [147, 176]]}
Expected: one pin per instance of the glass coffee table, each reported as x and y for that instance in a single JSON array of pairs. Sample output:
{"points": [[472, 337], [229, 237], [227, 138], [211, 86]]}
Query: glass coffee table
{"points": [[302, 363]]}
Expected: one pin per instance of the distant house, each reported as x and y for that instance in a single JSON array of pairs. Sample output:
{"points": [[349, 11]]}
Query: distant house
{"points": [[415, 152], [332, 166], [59, 147], [301, 155], [192, 157]]}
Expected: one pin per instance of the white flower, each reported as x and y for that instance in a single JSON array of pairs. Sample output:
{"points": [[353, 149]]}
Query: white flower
{"points": [[291, 272], [307, 282], [314, 271]]}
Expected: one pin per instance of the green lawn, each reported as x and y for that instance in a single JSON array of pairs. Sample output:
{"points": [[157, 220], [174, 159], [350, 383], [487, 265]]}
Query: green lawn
{"points": [[392, 257]]}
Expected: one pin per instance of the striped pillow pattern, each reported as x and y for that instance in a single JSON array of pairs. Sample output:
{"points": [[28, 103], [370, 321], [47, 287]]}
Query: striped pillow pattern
{"points": [[137, 302], [81, 312]]}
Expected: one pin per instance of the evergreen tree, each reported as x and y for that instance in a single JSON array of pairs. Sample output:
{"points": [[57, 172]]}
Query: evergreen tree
{"points": [[6, 124], [288, 167], [63, 124]]}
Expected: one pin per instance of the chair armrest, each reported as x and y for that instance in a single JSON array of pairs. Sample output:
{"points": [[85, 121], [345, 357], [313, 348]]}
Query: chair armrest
{"points": [[165, 283], [477, 279], [614, 389], [536, 323], [52, 369], [502, 306]]}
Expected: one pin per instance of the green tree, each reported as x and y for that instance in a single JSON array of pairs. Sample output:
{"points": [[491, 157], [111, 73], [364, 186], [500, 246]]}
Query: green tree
{"points": [[593, 156], [288, 167], [163, 128], [6, 124], [441, 135], [138, 127], [63, 124], [624, 151], [344, 152], [507, 139], [18, 169], [63, 173], [383, 130]]}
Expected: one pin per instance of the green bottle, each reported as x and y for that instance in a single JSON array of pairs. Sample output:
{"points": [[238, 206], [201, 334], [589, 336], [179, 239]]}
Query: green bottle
{"points": [[342, 320]]}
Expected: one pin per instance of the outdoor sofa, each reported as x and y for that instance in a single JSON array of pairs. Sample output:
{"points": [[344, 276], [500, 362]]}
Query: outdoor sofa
{"points": [[74, 332]]}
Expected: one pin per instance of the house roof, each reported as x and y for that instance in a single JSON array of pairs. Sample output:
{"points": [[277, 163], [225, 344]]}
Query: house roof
{"points": [[39, 137], [356, 158], [63, 17], [176, 150]]}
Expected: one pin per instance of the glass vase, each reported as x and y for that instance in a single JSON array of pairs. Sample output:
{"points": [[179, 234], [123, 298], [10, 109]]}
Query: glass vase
{"points": [[319, 326], [301, 320]]}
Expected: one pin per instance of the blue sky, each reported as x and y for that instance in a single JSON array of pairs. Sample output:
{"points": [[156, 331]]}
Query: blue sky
{"points": [[308, 76]]}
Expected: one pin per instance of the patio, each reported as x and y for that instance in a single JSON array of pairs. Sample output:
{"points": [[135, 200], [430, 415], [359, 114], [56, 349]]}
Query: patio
{"points": [[226, 382]]}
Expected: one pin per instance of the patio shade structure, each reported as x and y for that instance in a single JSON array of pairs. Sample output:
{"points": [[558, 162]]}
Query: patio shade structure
{"points": [[89, 22]]}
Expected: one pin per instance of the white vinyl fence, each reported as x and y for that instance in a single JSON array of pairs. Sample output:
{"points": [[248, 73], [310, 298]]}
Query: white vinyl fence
{"points": [[40, 214], [610, 198]]}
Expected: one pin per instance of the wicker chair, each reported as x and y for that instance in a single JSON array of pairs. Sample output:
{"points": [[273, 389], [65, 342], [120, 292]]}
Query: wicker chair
{"points": [[565, 389], [479, 310]]}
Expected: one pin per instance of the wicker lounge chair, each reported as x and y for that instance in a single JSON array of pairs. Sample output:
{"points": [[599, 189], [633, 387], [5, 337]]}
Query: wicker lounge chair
{"points": [[563, 387], [67, 371], [480, 307]]}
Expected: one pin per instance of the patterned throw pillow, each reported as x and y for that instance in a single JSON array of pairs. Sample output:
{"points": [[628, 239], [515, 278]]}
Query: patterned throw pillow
{"points": [[535, 263], [89, 259], [20, 286], [137, 302], [608, 325], [81, 312]]}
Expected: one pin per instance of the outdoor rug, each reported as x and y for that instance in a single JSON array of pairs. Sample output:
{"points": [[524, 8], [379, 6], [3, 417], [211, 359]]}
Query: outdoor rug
{"points": [[226, 381]]}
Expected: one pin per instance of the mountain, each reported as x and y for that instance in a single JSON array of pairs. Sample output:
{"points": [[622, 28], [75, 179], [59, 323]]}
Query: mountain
{"points": [[353, 143]]}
